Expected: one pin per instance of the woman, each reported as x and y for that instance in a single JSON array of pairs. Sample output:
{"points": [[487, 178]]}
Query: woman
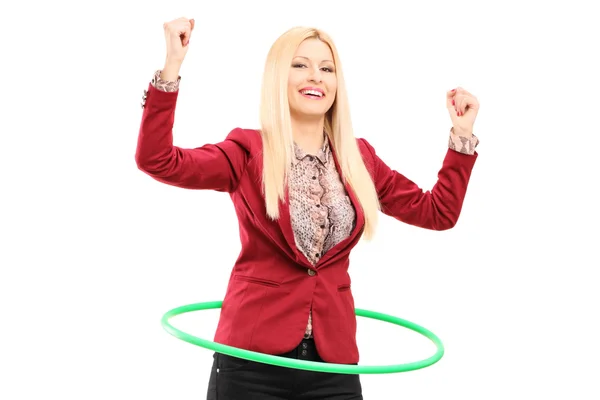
{"points": [[305, 190]]}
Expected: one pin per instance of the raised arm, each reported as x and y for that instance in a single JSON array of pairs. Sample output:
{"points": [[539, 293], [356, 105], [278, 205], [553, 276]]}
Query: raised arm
{"points": [[216, 166], [213, 166], [437, 209]]}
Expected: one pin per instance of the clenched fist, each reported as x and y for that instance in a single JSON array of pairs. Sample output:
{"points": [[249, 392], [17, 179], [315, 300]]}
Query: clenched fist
{"points": [[463, 108], [177, 36]]}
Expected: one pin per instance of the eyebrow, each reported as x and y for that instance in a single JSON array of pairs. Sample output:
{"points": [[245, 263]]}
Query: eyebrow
{"points": [[306, 58]]}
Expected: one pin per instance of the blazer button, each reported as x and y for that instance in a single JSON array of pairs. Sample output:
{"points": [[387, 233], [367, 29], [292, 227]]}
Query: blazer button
{"points": [[311, 272]]}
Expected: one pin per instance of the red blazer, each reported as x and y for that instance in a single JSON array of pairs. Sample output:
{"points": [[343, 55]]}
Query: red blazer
{"points": [[272, 285]]}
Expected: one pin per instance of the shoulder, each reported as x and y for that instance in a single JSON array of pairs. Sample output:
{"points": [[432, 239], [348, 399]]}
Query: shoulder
{"points": [[248, 139], [367, 151], [364, 146]]}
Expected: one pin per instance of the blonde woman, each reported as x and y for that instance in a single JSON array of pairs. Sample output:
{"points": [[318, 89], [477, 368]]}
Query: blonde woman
{"points": [[305, 190]]}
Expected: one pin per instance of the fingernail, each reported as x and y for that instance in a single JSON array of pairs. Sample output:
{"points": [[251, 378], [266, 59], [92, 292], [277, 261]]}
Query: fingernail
{"points": [[453, 102]]}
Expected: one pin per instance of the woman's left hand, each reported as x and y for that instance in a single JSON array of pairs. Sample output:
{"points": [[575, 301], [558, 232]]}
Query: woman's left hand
{"points": [[463, 108]]}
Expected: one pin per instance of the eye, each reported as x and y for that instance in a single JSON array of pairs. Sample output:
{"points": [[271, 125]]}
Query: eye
{"points": [[298, 65], [327, 69]]}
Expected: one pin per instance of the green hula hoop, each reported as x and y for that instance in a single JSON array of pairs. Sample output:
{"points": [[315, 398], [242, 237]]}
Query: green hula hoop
{"points": [[302, 364]]}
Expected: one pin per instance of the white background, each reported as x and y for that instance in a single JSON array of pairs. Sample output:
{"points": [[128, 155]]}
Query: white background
{"points": [[94, 251]]}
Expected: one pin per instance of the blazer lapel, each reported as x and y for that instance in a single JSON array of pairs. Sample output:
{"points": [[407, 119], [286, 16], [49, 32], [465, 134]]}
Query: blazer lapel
{"points": [[360, 217], [285, 224]]}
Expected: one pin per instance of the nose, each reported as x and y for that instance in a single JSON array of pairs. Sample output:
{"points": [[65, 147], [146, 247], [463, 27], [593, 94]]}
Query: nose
{"points": [[315, 75]]}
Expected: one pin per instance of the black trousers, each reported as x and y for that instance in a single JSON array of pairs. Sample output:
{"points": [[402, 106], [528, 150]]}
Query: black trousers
{"points": [[234, 378]]}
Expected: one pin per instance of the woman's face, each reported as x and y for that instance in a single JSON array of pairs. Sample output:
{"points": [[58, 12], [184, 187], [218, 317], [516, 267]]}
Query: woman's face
{"points": [[312, 83]]}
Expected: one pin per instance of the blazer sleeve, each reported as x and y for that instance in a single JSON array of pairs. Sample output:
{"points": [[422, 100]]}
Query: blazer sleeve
{"points": [[405, 201], [218, 166]]}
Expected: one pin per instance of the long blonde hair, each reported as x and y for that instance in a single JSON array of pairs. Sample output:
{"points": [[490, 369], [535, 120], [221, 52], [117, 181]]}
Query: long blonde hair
{"points": [[276, 129]]}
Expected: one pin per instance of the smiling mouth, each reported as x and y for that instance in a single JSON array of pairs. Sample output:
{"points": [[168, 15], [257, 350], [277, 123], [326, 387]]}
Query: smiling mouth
{"points": [[312, 94]]}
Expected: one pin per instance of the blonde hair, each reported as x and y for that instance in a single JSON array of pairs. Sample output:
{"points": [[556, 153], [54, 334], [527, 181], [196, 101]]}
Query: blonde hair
{"points": [[276, 130]]}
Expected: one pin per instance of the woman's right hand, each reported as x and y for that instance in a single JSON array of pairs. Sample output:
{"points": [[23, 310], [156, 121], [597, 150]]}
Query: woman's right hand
{"points": [[177, 36]]}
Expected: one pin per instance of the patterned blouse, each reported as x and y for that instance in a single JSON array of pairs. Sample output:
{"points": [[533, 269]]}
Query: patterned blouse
{"points": [[321, 212]]}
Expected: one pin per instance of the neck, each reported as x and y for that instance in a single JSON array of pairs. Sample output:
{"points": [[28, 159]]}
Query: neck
{"points": [[308, 134]]}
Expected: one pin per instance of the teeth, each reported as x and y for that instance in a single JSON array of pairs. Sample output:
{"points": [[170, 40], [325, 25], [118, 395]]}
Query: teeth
{"points": [[313, 92]]}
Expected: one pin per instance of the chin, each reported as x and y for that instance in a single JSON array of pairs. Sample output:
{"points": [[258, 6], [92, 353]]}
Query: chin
{"points": [[309, 114], [310, 104], [311, 111]]}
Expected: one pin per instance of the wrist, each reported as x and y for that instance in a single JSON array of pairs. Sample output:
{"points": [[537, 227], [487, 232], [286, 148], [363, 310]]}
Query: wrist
{"points": [[461, 132], [170, 72]]}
